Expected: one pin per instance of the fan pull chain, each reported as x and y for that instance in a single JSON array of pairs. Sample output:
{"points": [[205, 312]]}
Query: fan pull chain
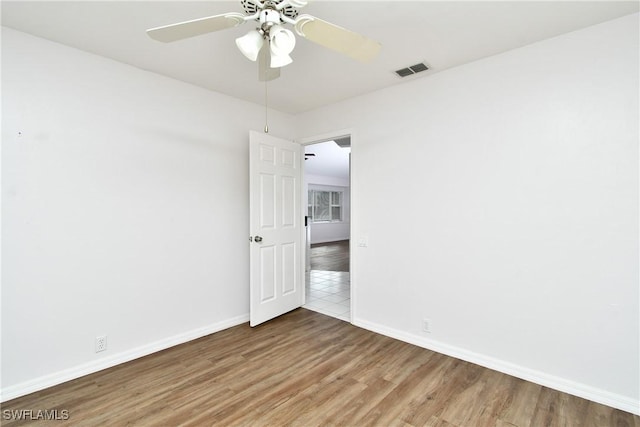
{"points": [[266, 108]]}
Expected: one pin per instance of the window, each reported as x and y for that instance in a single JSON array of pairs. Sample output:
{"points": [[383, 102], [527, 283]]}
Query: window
{"points": [[325, 206]]}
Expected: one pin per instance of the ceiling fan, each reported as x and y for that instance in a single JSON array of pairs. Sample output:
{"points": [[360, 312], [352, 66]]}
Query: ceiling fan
{"points": [[271, 43]]}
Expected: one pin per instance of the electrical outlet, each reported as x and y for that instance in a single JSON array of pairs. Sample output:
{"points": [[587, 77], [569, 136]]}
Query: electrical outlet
{"points": [[426, 326], [101, 343]]}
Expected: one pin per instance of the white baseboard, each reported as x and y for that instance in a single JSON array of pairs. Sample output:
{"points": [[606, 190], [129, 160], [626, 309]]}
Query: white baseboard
{"points": [[50, 380], [604, 397]]}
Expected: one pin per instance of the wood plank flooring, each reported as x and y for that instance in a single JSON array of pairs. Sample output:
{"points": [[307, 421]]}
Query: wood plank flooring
{"points": [[307, 369], [332, 256]]}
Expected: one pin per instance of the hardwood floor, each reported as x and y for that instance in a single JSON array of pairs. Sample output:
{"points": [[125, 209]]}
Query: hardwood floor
{"points": [[332, 256], [307, 369]]}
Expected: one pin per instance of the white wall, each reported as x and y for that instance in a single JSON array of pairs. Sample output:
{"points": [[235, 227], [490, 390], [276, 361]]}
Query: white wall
{"points": [[324, 232], [510, 210], [125, 211]]}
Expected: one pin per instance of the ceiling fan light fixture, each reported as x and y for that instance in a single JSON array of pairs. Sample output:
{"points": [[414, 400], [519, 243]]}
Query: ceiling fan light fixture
{"points": [[270, 16], [281, 43], [250, 44], [279, 61]]}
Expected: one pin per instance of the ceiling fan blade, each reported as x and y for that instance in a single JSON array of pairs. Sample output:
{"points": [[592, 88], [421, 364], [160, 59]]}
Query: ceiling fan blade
{"points": [[337, 38], [196, 27], [265, 72]]}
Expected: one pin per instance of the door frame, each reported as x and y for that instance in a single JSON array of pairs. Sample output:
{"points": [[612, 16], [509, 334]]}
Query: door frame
{"points": [[330, 136]]}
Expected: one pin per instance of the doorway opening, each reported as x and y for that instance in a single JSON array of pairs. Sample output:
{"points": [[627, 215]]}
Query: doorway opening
{"points": [[328, 227]]}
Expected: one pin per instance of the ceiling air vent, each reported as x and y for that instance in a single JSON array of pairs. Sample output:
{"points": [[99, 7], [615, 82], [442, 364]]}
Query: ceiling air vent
{"points": [[409, 71]]}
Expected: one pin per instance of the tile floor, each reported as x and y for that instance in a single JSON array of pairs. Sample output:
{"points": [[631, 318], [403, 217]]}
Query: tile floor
{"points": [[329, 292]]}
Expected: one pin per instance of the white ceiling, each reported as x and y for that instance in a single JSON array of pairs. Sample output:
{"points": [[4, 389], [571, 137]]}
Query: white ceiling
{"points": [[442, 34]]}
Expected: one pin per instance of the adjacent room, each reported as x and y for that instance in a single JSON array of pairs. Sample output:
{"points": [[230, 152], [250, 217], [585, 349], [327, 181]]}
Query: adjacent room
{"points": [[326, 177], [486, 235]]}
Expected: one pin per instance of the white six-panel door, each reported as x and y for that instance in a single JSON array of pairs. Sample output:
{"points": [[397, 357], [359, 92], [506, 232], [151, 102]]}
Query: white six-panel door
{"points": [[276, 227]]}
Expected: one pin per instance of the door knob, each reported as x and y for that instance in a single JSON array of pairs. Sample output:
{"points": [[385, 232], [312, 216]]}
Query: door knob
{"points": [[257, 239]]}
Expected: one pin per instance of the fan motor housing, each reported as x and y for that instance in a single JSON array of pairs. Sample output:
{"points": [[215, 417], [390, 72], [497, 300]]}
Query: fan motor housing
{"points": [[251, 8]]}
